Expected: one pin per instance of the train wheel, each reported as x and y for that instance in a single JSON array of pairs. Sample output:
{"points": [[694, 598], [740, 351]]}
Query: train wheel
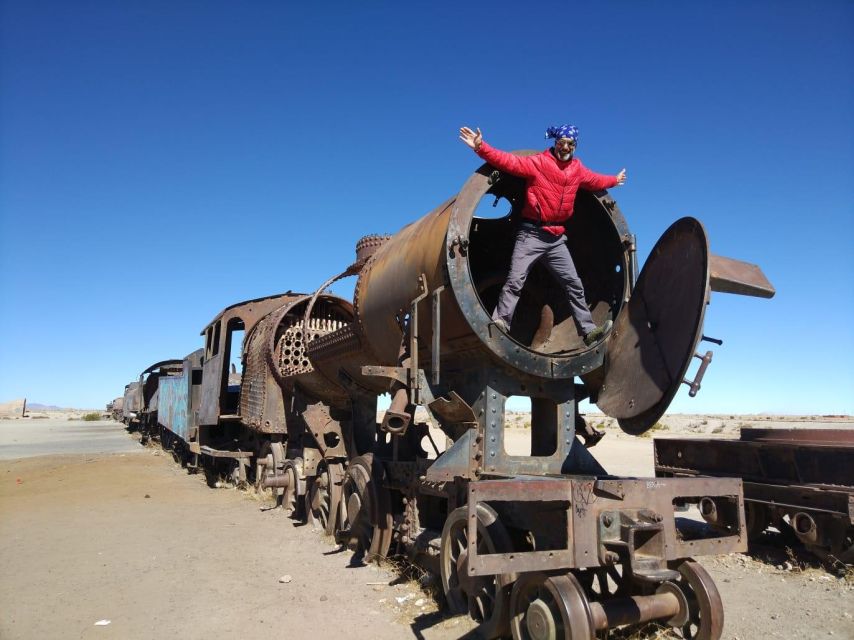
{"points": [[337, 506], [323, 497], [290, 494], [269, 465], [544, 607], [484, 598], [367, 526], [705, 608], [318, 498]]}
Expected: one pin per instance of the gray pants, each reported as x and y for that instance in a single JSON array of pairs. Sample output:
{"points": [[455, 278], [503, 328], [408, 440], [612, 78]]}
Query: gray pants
{"points": [[534, 244]]}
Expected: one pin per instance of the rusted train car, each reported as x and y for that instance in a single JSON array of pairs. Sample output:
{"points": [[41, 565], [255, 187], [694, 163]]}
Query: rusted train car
{"points": [[114, 408], [534, 546], [800, 481], [140, 401], [247, 403]]}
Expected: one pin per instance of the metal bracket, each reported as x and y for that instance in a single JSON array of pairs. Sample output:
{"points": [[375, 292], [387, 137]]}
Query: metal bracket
{"points": [[639, 535], [400, 374], [437, 321], [414, 383]]}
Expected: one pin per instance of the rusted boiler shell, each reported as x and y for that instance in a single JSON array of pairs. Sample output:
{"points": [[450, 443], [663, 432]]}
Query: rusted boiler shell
{"points": [[469, 257]]}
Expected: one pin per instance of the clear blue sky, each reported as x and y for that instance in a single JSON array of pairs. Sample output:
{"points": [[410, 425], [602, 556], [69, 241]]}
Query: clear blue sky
{"points": [[162, 160]]}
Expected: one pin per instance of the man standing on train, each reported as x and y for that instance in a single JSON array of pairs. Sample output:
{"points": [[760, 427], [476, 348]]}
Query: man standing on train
{"points": [[552, 179]]}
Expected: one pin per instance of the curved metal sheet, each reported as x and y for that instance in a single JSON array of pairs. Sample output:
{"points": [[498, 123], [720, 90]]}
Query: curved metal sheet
{"points": [[162, 363], [655, 334]]}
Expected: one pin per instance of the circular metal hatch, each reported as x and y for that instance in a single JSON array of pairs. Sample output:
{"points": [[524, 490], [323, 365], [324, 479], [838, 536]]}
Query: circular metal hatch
{"points": [[655, 334]]}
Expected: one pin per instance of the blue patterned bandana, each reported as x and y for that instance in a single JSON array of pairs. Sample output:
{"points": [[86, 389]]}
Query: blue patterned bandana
{"points": [[564, 131]]}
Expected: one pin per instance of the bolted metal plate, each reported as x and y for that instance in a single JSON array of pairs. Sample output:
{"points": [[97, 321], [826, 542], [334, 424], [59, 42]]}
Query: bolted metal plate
{"points": [[655, 334]]}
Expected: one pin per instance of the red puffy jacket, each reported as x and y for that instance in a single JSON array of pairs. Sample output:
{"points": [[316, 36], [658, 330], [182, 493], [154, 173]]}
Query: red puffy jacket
{"points": [[551, 184]]}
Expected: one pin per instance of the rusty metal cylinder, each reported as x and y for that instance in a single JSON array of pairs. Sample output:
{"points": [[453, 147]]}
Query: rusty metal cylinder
{"points": [[709, 510], [805, 527], [633, 610], [462, 260], [276, 482]]}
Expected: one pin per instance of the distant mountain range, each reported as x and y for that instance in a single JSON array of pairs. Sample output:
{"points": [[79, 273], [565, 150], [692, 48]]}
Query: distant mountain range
{"points": [[15, 407], [35, 406]]}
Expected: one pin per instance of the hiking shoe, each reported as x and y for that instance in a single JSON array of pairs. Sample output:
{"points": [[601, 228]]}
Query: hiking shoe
{"points": [[498, 322], [598, 332]]}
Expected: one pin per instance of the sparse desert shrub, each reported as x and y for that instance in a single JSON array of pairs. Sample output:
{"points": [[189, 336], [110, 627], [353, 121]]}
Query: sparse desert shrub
{"points": [[658, 426], [91, 417]]}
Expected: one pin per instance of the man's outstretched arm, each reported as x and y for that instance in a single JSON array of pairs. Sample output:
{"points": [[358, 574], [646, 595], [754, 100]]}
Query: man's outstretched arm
{"points": [[592, 181], [501, 160]]}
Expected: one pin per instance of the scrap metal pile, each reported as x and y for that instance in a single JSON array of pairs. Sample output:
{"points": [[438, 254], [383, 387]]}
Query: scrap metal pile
{"points": [[545, 545]]}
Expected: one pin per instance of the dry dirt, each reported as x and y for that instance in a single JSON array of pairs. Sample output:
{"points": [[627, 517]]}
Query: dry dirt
{"points": [[131, 538]]}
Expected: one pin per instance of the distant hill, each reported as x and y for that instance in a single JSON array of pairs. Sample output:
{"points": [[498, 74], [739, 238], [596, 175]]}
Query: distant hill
{"points": [[15, 407], [35, 406]]}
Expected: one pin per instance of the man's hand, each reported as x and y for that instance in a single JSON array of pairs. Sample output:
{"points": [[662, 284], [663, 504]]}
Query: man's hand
{"points": [[472, 139], [621, 178]]}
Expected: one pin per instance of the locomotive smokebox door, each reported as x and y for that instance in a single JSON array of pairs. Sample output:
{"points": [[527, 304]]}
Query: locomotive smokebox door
{"points": [[656, 333]]}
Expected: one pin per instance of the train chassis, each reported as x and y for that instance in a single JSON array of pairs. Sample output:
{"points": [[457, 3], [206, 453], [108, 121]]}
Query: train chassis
{"points": [[547, 553]]}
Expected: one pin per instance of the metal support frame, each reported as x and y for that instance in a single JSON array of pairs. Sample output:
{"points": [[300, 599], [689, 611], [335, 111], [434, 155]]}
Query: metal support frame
{"points": [[413, 378], [591, 507]]}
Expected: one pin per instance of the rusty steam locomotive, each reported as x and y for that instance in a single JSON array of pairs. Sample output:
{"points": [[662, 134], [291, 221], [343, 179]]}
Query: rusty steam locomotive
{"points": [[545, 545]]}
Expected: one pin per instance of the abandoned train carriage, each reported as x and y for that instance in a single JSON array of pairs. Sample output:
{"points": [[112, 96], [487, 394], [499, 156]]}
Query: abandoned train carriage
{"points": [[140, 401], [247, 402]]}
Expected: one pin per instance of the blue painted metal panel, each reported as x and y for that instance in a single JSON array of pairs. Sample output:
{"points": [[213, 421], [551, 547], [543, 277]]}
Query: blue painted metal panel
{"points": [[173, 404]]}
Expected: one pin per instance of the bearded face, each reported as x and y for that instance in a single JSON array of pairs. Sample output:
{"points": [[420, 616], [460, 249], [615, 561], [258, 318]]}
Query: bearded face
{"points": [[564, 148]]}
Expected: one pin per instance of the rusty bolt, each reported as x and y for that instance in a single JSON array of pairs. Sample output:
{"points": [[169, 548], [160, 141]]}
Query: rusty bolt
{"points": [[607, 520]]}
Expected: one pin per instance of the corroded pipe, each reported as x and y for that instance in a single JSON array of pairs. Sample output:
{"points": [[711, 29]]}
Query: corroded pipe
{"points": [[276, 482]]}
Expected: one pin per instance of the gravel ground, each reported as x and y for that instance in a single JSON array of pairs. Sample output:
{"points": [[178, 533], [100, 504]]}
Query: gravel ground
{"points": [[93, 535]]}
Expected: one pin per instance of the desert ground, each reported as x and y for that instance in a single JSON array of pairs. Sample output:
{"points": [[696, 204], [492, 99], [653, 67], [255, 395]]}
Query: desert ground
{"points": [[102, 537]]}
